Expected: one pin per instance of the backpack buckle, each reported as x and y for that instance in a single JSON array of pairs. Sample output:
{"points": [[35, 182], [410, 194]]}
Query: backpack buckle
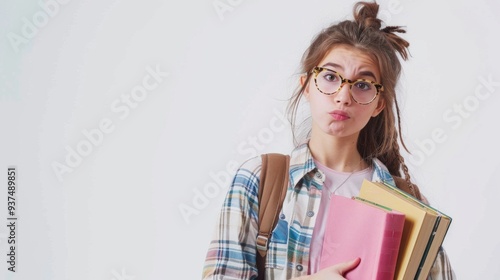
{"points": [[261, 243]]}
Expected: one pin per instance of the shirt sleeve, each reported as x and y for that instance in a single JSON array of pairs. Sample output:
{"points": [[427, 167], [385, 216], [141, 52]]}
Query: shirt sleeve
{"points": [[441, 269], [232, 252]]}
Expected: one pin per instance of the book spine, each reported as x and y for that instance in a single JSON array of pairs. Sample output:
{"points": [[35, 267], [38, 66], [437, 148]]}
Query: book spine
{"points": [[427, 248], [390, 246]]}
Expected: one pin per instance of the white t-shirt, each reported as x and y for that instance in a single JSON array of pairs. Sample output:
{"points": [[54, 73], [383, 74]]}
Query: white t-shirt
{"points": [[339, 183]]}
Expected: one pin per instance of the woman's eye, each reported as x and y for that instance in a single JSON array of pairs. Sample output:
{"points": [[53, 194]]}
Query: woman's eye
{"points": [[363, 85], [330, 77]]}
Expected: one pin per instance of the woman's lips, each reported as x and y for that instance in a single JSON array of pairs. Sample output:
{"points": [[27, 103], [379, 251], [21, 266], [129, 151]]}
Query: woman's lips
{"points": [[339, 115]]}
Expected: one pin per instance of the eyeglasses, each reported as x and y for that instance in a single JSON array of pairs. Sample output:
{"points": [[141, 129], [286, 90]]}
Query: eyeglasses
{"points": [[329, 82]]}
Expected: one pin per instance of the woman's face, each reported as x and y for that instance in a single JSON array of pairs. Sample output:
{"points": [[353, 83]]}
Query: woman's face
{"points": [[337, 115]]}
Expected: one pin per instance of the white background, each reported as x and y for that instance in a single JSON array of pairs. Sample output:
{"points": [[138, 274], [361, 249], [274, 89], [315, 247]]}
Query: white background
{"points": [[116, 214]]}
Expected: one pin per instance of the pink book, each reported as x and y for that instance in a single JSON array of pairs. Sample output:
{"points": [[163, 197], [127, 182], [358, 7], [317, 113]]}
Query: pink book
{"points": [[360, 228]]}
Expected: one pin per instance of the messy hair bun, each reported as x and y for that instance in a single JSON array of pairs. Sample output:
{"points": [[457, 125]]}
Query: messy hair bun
{"points": [[365, 15]]}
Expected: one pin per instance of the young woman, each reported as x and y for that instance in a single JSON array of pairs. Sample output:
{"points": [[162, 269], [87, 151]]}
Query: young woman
{"points": [[350, 74]]}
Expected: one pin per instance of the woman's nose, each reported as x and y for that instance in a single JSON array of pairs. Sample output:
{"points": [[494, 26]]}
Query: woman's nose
{"points": [[343, 95]]}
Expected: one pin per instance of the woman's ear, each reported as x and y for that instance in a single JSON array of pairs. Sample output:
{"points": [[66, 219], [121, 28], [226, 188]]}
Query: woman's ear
{"points": [[380, 107]]}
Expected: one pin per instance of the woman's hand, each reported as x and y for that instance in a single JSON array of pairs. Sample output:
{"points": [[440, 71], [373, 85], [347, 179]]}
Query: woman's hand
{"points": [[334, 272]]}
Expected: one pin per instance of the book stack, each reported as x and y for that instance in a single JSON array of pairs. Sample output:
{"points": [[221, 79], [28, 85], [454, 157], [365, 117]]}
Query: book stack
{"points": [[395, 235]]}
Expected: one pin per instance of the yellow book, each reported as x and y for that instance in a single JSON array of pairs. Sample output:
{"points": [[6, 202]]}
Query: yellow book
{"points": [[420, 226], [435, 241]]}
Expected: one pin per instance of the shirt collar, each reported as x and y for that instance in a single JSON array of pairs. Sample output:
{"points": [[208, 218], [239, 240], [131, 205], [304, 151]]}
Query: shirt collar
{"points": [[302, 162], [381, 173]]}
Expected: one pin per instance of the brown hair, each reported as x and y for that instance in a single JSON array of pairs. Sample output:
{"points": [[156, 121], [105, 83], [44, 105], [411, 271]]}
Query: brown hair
{"points": [[379, 138]]}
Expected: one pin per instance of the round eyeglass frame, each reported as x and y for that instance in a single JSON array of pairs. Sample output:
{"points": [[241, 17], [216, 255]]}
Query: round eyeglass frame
{"points": [[316, 70]]}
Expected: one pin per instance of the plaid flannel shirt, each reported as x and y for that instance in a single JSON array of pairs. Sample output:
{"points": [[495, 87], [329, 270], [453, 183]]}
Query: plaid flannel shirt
{"points": [[232, 251]]}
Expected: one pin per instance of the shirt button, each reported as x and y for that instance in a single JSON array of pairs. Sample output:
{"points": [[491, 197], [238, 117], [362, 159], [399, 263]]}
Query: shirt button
{"points": [[299, 267], [319, 175], [310, 214], [282, 216]]}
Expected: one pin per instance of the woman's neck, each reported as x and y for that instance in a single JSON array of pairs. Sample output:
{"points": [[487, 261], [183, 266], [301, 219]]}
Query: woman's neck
{"points": [[340, 154]]}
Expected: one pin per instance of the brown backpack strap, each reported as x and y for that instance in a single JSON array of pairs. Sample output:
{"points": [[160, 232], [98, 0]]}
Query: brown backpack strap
{"points": [[272, 190]]}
